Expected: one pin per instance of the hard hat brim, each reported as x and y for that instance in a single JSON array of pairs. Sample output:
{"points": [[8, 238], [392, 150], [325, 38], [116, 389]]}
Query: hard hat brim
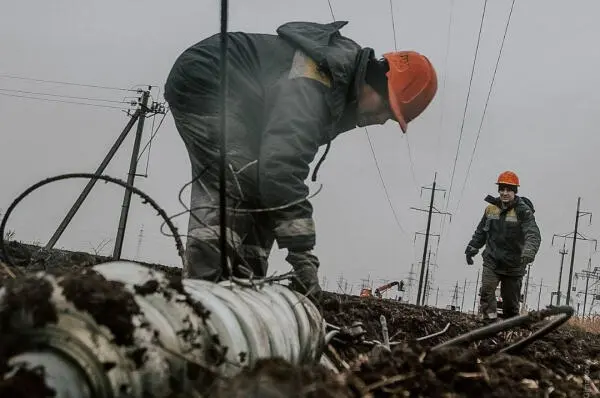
{"points": [[395, 107]]}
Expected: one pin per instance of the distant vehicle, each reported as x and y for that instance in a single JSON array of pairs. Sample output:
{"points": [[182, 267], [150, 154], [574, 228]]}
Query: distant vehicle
{"points": [[366, 292]]}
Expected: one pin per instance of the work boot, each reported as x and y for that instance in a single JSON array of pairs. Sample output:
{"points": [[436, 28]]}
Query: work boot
{"points": [[306, 280]]}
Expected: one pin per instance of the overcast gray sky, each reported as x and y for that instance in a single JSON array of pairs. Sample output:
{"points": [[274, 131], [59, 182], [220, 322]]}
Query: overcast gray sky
{"points": [[540, 122]]}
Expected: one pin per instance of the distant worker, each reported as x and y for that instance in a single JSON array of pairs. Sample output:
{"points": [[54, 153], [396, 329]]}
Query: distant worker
{"points": [[512, 238], [288, 94]]}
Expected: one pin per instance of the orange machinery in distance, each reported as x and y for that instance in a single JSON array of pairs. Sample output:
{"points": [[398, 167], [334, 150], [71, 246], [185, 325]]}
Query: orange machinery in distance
{"points": [[366, 292]]}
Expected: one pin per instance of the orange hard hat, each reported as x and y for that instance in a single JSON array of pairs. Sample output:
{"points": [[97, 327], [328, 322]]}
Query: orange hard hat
{"points": [[412, 84], [508, 178]]}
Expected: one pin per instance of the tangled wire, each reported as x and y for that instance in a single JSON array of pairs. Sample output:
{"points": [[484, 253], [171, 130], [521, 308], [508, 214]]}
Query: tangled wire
{"points": [[167, 220], [145, 199]]}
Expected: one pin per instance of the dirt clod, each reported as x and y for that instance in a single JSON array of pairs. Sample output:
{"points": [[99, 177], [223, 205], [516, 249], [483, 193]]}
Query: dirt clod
{"points": [[109, 303], [27, 303], [149, 287], [278, 378], [25, 383], [555, 366]]}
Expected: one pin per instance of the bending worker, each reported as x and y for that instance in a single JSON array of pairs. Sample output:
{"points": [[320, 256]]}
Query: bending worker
{"points": [[512, 239], [288, 94]]}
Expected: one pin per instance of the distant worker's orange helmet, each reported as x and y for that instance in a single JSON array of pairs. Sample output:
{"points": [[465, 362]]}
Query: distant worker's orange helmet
{"points": [[508, 178], [412, 84]]}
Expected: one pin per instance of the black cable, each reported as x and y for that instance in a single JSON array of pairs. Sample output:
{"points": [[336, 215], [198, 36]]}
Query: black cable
{"points": [[387, 195], [487, 100], [443, 99], [61, 101], [149, 143], [373, 152], [563, 314], [64, 96], [410, 157], [144, 196], [223, 146], [331, 10], [466, 103], [61, 82]]}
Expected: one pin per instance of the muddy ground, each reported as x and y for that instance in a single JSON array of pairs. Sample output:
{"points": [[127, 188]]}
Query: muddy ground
{"points": [[562, 364]]}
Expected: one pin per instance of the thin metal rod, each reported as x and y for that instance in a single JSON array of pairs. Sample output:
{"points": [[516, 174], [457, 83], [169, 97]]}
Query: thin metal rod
{"points": [[111, 153], [131, 176], [223, 146]]}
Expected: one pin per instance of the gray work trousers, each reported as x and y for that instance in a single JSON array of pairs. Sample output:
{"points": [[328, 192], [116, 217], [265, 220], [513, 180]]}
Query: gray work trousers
{"points": [[510, 291], [249, 235]]}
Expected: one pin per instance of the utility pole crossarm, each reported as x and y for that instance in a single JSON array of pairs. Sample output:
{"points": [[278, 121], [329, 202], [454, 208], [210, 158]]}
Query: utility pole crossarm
{"points": [[575, 238]]}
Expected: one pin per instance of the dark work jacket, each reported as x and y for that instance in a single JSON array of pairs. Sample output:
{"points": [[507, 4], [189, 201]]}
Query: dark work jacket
{"points": [[507, 234], [292, 92]]}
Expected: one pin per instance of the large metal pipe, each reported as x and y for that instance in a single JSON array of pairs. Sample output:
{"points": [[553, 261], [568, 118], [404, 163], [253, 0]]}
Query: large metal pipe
{"points": [[184, 334]]}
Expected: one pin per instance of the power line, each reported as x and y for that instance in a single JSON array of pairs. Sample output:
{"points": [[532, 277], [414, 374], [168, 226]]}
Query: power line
{"points": [[393, 25], [64, 96], [149, 143], [466, 103], [375, 157], [331, 10], [443, 99], [410, 158], [62, 101], [65, 83], [387, 195], [486, 102]]}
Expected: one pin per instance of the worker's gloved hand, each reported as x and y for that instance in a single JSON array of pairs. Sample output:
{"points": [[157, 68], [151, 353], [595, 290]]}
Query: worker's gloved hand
{"points": [[305, 265], [526, 259], [469, 260], [470, 251]]}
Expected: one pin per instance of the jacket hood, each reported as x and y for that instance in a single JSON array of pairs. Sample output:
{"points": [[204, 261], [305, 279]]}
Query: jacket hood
{"points": [[340, 57], [495, 200]]}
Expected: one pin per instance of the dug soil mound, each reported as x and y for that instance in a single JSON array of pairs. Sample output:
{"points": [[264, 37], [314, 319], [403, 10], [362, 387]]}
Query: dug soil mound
{"points": [[561, 364]]}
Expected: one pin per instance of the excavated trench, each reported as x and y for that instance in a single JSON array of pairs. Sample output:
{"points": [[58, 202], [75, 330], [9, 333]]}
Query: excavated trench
{"points": [[561, 364]]}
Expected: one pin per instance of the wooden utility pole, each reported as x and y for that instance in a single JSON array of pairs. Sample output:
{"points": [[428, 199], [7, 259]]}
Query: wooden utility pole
{"points": [[524, 307], [575, 235], [476, 286], [462, 303], [562, 253], [589, 273], [138, 116], [430, 211], [131, 177], [426, 278], [540, 293], [455, 296]]}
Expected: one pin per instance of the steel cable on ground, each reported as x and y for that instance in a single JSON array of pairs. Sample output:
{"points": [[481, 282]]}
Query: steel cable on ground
{"points": [[486, 103]]}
